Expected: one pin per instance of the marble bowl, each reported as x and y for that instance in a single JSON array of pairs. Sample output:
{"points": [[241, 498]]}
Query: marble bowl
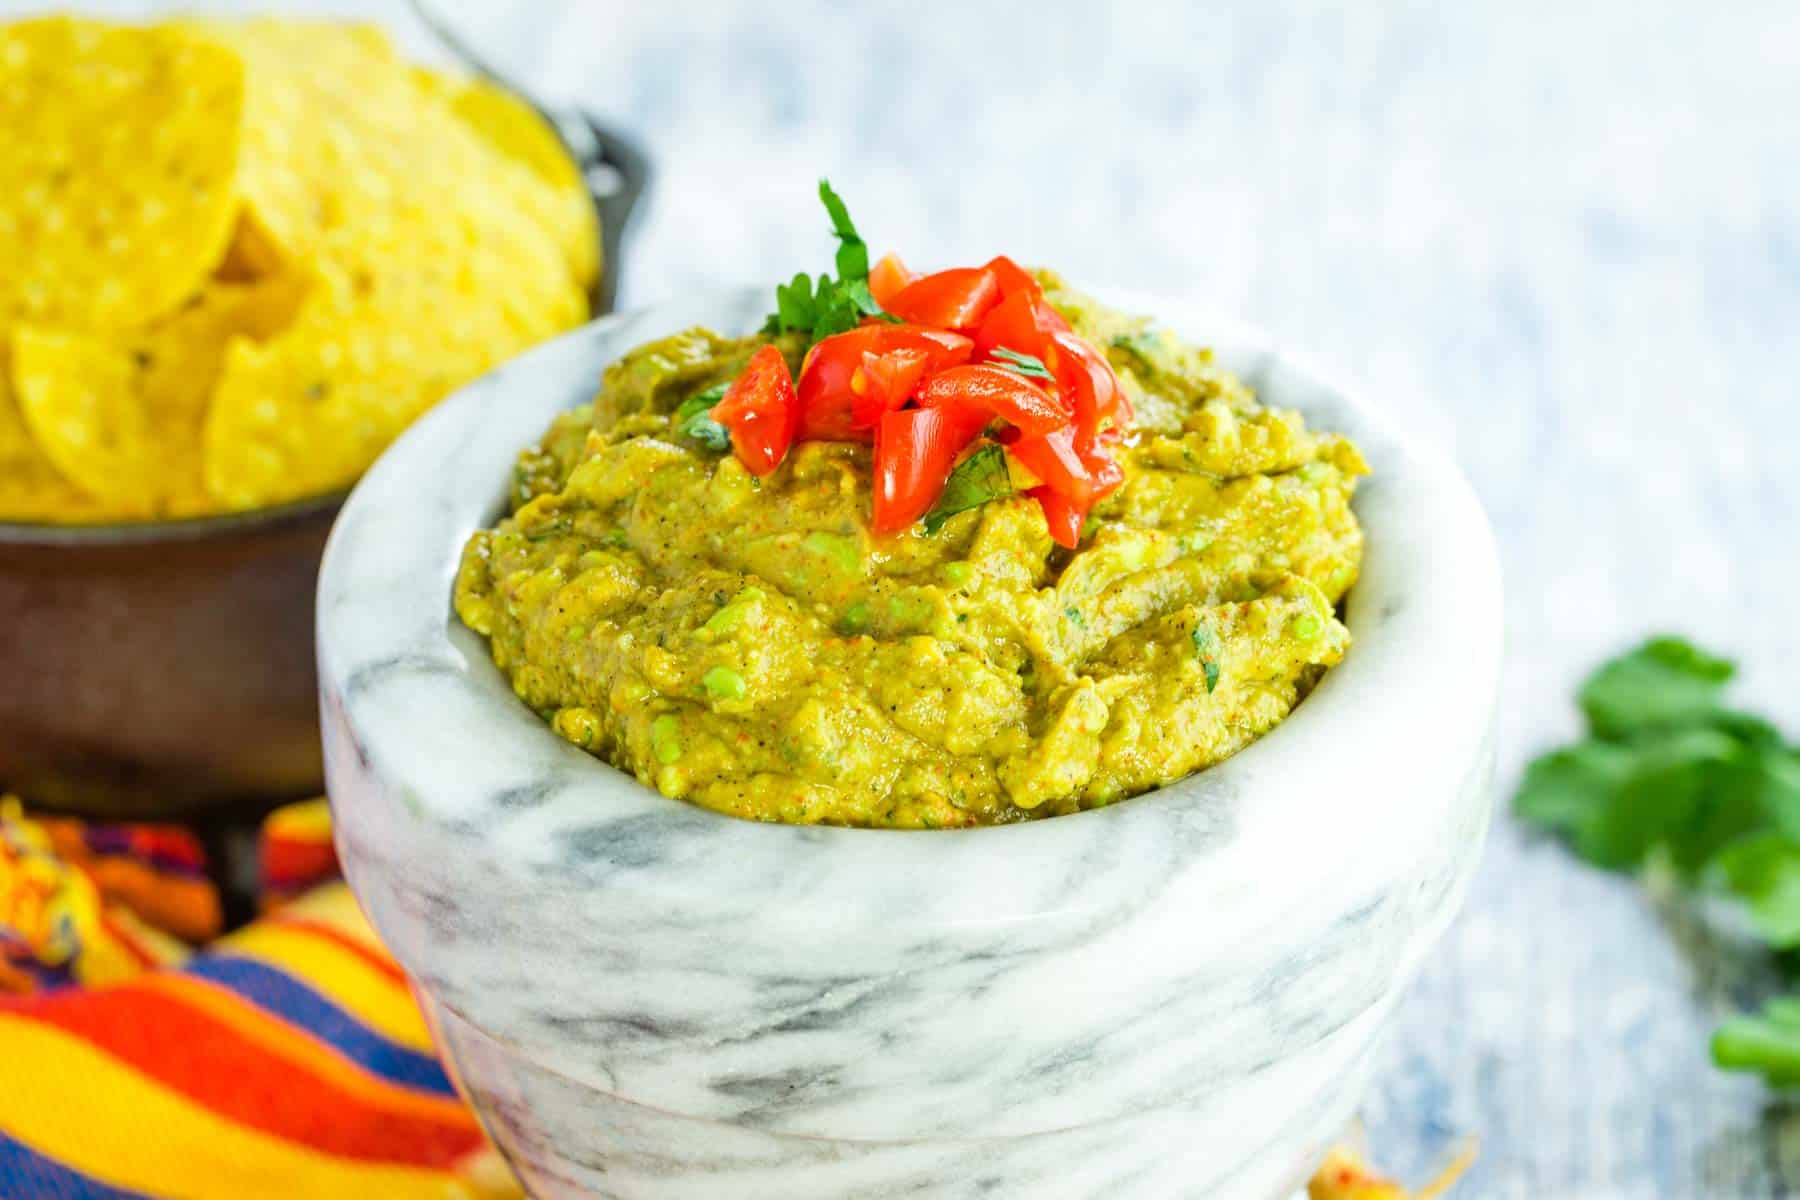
{"points": [[1179, 995]]}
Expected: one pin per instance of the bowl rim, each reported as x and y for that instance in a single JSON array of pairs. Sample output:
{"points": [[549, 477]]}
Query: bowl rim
{"points": [[1426, 617], [172, 529]]}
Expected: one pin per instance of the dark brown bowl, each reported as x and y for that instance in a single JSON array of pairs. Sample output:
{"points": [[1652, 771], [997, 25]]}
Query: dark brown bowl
{"points": [[164, 670]]}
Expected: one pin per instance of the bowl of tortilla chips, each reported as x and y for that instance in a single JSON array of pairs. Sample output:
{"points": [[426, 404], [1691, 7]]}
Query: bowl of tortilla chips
{"points": [[242, 256]]}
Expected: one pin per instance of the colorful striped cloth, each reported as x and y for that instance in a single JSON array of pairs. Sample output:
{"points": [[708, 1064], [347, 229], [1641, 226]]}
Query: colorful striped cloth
{"points": [[286, 1059]]}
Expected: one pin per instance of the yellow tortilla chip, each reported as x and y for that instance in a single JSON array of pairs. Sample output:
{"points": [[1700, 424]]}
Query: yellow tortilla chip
{"points": [[437, 257], [116, 171], [440, 224], [122, 419], [30, 488], [308, 411], [517, 131]]}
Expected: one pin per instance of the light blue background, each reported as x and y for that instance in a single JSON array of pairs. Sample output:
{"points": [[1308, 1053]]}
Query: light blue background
{"points": [[1564, 240]]}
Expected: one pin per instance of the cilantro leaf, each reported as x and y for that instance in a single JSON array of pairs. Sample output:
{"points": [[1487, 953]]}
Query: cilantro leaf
{"points": [[853, 252], [1768, 1044], [830, 305], [1569, 790], [1028, 365], [1666, 681], [1206, 644], [694, 419], [1667, 770], [796, 305], [1763, 871], [977, 479]]}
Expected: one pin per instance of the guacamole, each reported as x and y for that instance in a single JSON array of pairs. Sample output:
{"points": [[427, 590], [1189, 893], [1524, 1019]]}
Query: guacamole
{"points": [[747, 643]]}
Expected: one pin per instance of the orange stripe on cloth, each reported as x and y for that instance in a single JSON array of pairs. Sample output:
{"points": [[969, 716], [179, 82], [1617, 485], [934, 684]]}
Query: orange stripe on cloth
{"points": [[76, 1104], [239, 1063]]}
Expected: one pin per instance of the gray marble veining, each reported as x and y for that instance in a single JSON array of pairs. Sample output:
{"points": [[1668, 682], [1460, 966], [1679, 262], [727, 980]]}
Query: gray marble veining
{"points": [[1178, 995]]}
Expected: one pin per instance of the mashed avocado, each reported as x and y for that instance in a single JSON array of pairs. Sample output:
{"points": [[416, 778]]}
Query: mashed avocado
{"points": [[750, 646]]}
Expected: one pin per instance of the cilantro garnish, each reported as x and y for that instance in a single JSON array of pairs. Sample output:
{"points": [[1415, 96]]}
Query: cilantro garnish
{"points": [[694, 419], [1141, 342], [1206, 644], [1028, 365], [830, 305], [974, 481], [1670, 774]]}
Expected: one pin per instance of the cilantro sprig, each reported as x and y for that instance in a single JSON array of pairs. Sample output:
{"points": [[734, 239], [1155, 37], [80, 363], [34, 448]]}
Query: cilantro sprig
{"points": [[826, 306], [1028, 365], [694, 419], [1670, 773], [974, 481]]}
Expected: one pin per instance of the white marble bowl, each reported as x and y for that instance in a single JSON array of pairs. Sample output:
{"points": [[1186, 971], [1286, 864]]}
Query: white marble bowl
{"points": [[1175, 996]]}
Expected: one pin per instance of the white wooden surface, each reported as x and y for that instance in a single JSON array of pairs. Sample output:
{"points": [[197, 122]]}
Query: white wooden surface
{"points": [[1563, 239]]}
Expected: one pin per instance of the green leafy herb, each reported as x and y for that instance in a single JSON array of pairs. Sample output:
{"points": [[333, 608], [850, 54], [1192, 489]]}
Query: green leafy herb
{"points": [[977, 479], [694, 419], [1028, 365], [830, 305], [853, 252], [1669, 773], [1141, 342], [1664, 682], [1768, 1044], [1206, 644]]}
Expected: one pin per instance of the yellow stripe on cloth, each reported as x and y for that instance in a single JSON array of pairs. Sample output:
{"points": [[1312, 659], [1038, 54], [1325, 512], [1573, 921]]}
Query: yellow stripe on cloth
{"points": [[332, 904], [375, 998], [87, 1110]]}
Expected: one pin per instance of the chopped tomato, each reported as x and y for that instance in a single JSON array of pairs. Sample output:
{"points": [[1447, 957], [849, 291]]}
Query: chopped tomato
{"points": [[1106, 472], [828, 378], [762, 410], [914, 451], [953, 299], [885, 382], [1023, 322], [1086, 380], [1053, 458], [1012, 277], [985, 392], [1062, 515], [887, 278]]}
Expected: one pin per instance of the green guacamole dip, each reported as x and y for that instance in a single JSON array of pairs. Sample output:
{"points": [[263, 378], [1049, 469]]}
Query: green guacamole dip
{"points": [[750, 646]]}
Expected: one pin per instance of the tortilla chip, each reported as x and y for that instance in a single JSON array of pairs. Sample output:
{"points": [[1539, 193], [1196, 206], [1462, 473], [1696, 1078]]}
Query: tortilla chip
{"points": [[517, 131], [30, 488], [122, 419], [368, 353], [116, 171], [441, 226], [437, 257]]}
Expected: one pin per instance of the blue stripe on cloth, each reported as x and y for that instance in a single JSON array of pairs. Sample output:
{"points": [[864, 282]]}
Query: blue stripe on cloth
{"points": [[286, 997], [26, 1173]]}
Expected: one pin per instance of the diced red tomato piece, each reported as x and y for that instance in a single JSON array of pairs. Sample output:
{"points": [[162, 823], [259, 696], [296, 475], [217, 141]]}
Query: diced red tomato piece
{"points": [[886, 382], [1023, 322], [1053, 458], [985, 392], [762, 411], [1105, 470], [955, 299], [1012, 277], [888, 278], [828, 393], [1086, 380], [915, 449], [1062, 515]]}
